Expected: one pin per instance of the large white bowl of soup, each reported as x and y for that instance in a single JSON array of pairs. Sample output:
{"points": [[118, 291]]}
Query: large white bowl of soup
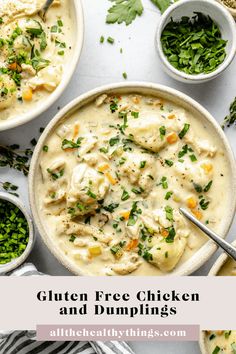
{"points": [[37, 58], [110, 172], [220, 341]]}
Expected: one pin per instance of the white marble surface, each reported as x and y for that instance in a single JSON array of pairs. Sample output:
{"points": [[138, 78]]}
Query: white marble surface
{"points": [[102, 64]]}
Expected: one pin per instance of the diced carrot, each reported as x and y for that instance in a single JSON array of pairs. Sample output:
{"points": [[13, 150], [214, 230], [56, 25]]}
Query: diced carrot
{"points": [[27, 94], [171, 116], [69, 149], [12, 66], [76, 131], [136, 99], [207, 167], [103, 167], [219, 333], [111, 179], [172, 138], [125, 214], [197, 213], [191, 203], [132, 244], [164, 233]]}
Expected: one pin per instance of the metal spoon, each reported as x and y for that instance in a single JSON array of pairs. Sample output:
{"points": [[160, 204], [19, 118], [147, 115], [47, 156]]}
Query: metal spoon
{"points": [[227, 247], [42, 12]]}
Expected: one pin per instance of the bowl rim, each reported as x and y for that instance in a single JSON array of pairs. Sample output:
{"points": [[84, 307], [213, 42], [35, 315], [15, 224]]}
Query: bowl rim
{"points": [[16, 262], [220, 261], [137, 87], [53, 97], [201, 76]]}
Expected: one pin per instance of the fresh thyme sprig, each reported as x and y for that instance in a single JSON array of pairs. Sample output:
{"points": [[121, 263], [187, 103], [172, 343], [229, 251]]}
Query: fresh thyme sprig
{"points": [[231, 118], [9, 187], [12, 157]]}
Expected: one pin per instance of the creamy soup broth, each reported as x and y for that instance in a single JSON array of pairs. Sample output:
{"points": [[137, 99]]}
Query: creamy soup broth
{"points": [[222, 342], [113, 176]]}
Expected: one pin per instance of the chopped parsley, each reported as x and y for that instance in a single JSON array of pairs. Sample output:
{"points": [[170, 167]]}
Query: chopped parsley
{"points": [[125, 195], [168, 195], [162, 131], [184, 130], [55, 175], [139, 190], [69, 144], [134, 214], [135, 114], [171, 235], [207, 187], [113, 141], [142, 164], [110, 207], [72, 238], [169, 163], [169, 213]]}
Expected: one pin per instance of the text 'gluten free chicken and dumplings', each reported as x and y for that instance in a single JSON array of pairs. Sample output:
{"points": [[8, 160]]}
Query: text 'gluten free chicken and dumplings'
{"points": [[33, 53], [113, 176]]}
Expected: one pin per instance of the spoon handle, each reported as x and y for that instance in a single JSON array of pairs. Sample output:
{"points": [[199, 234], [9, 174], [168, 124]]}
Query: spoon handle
{"points": [[47, 4], [227, 247], [44, 9]]}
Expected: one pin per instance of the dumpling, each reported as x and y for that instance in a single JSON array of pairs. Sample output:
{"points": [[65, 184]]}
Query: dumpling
{"points": [[199, 173], [154, 132], [168, 240], [87, 187], [146, 133], [140, 169], [49, 78], [165, 255], [129, 263]]}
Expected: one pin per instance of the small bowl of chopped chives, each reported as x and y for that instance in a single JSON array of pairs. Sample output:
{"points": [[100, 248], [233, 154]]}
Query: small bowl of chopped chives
{"points": [[16, 233], [196, 40]]}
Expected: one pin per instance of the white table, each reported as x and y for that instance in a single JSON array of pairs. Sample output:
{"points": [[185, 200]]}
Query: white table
{"points": [[103, 64]]}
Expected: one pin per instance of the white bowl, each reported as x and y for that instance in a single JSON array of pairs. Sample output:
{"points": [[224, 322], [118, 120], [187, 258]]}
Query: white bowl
{"points": [[16, 262], [219, 14], [219, 263], [205, 252], [77, 17]]}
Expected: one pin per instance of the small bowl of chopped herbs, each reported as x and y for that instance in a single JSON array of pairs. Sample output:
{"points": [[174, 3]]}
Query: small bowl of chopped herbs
{"points": [[16, 233], [196, 40]]}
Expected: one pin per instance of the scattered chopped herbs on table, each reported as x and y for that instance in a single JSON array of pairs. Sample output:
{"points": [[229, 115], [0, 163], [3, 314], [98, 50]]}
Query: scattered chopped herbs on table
{"points": [[9, 187], [14, 232], [193, 45], [110, 40], [125, 76], [231, 118], [10, 156]]}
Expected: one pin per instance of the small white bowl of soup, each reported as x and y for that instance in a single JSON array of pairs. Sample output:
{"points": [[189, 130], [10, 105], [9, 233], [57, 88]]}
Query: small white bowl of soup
{"points": [[110, 172], [37, 58], [221, 341]]}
